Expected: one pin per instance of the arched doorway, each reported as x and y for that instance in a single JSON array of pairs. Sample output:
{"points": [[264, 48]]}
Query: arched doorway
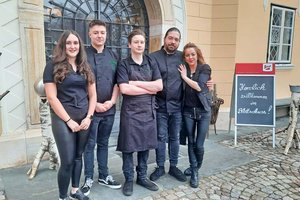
{"points": [[121, 16]]}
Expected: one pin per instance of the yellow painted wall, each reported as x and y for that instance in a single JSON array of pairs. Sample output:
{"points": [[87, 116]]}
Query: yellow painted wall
{"points": [[252, 41], [236, 31], [212, 26]]}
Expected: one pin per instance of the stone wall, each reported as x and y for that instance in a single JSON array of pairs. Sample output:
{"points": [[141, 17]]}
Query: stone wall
{"points": [[22, 62]]}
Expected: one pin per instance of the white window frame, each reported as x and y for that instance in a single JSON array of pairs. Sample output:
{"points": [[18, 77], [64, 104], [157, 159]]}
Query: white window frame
{"points": [[280, 62]]}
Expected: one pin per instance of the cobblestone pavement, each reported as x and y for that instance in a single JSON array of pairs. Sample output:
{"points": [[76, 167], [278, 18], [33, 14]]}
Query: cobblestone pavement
{"points": [[250, 170], [273, 176]]}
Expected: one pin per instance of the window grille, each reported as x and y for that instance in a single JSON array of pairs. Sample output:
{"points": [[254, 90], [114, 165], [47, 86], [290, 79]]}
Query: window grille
{"points": [[121, 16], [281, 35]]}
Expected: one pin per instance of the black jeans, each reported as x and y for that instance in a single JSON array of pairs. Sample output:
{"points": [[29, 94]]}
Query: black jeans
{"points": [[196, 119], [141, 169], [70, 148]]}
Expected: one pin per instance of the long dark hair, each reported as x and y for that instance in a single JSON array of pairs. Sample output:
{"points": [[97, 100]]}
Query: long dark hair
{"points": [[200, 58], [171, 30], [60, 59]]}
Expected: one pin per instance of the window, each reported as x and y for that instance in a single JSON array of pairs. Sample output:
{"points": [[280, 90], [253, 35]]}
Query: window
{"points": [[281, 35], [121, 17]]}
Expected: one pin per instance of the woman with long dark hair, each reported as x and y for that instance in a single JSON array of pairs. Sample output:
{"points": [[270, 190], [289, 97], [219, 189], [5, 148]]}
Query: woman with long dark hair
{"points": [[197, 106], [70, 89]]}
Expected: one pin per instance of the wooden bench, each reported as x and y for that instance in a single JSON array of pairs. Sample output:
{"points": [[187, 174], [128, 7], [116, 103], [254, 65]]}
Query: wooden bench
{"points": [[282, 107]]}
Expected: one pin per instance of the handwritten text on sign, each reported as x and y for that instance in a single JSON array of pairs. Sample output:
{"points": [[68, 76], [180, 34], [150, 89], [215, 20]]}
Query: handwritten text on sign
{"points": [[255, 100]]}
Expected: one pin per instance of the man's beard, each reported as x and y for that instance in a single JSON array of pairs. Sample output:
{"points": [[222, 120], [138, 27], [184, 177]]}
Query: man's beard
{"points": [[170, 50]]}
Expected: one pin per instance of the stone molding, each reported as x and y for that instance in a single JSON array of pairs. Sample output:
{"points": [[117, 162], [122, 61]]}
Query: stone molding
{"points": [[31, 21]]}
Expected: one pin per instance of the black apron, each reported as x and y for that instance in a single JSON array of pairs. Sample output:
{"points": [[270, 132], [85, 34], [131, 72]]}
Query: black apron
{"points": [[138, 129]]}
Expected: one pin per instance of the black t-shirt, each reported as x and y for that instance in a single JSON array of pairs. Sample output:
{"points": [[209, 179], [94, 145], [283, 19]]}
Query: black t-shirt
{"points": [[192, 99], [72, 92], [128, 70], [201, 76]]}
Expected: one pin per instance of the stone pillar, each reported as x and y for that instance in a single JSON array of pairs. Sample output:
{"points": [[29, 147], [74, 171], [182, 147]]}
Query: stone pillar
{"points": [[33, 52]]}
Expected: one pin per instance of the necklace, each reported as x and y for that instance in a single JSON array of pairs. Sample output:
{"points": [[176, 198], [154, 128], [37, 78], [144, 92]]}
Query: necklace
{"points": [[192, 74]]}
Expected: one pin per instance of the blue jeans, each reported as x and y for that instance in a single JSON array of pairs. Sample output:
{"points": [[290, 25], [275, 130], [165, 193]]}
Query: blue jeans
{"points": [[141, 168], [168, 128], [199, 121], [99, 133]]}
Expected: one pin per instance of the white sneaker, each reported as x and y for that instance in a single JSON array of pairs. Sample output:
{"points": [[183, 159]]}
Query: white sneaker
{"points": [[86, 188], [109, 182]]}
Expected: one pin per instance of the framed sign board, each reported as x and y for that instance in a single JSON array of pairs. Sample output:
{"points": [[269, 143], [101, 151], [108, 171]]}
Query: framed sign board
{"points": [[255, 95], [255, 100]]}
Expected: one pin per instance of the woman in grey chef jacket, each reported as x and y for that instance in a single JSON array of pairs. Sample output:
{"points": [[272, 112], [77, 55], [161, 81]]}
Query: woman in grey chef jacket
{"points": [[139, 80]]}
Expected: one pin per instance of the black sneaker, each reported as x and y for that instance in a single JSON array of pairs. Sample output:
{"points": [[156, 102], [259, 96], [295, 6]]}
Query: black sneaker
{"points": [[188, 171], [78, 195], [67, 198], [177, 173], [158, 172], [128, 188], [86, 188], [109, 182], [145, 182]]}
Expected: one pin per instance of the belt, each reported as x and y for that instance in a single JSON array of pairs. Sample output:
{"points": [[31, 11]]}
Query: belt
{"points": [[194, 112], [191, 109]]}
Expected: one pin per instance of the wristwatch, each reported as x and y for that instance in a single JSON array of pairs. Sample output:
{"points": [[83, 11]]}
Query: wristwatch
{"points": [[90, 117]]}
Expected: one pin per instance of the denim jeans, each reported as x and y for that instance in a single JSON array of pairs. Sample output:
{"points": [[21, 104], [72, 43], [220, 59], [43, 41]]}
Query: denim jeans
{"points": [[199, 122], [168, 128], [99, 134], [141, 169]]}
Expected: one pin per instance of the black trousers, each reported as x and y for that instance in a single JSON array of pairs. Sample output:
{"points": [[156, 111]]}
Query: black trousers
{"points": [[70, 148], [196, 121], [141, 168]]}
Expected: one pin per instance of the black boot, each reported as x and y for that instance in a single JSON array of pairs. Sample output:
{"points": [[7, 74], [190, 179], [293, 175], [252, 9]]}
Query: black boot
{"points": [[199, 156], [128, 188], [188, 171], [158, 172], [142, 180], [194, 182], [146, 183]]}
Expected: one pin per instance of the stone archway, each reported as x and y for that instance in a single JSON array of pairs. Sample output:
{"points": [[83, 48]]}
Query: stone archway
{"points": [[162, 15]]}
